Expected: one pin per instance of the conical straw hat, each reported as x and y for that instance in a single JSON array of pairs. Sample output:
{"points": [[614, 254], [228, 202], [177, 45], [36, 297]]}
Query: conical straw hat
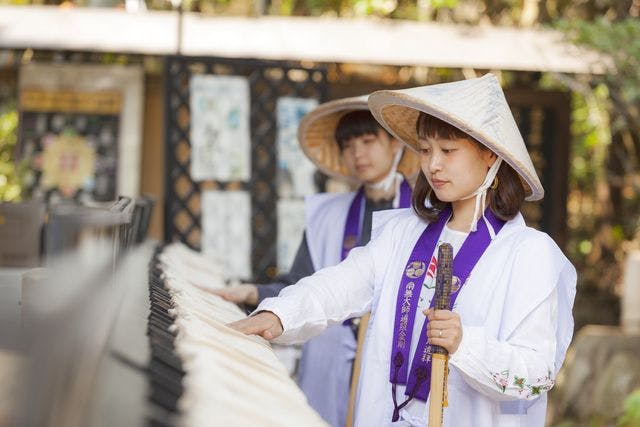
{"points": [[475, 106], [316, 136]]}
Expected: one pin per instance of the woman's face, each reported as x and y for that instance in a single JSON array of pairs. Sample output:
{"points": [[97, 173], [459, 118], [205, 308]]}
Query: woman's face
{"points": [[454, 168], [369, 157]]}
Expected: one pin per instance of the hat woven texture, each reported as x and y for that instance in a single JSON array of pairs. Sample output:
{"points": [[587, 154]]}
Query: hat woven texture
{"points": [[316, 135], [475, 106]]}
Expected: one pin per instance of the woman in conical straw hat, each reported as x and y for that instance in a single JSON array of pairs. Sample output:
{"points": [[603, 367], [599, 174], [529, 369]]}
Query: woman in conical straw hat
{"points": [[344, 141], [513, 289]]}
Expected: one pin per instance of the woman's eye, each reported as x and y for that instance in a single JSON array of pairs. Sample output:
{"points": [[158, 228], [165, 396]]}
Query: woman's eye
{"points": [[425, 151], [448, 150]]}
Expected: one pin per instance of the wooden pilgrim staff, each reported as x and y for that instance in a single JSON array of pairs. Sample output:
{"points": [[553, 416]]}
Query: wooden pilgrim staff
{"points": [[355, 376], [439, 355]]}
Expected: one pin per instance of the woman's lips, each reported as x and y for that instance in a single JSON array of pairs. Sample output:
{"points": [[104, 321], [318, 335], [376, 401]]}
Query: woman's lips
{"points": [[436, 183]]}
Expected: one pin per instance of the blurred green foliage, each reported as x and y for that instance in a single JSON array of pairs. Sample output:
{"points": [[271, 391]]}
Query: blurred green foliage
{"points": [[11, 173], [631, 415], [621, 41], [606, 157]]}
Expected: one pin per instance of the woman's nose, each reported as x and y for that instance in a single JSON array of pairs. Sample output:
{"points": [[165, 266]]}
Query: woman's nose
{"points": [[435, 162]]}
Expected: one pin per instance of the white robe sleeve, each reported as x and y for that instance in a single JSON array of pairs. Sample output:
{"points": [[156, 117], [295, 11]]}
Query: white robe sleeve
{"points": [[329, 296], [523, 360], [519, 368]]}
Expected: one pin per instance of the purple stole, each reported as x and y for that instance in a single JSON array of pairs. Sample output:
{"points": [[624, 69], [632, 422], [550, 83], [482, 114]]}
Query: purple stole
{"points": [[352, 230], [418, 380]]}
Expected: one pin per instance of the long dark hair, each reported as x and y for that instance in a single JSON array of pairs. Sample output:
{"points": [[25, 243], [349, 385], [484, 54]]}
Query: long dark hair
{"points": [[505, 201]]}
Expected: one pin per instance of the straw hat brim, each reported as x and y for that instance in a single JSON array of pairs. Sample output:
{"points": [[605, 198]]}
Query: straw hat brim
{"points": [[316, 136], [398, 113]]}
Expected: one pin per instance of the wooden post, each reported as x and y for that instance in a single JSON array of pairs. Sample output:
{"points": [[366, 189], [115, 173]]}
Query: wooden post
{"points": [[631, 294]]}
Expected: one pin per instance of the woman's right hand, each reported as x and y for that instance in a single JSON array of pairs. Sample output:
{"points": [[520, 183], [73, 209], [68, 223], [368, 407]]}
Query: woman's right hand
{"points": [[265, 323]]}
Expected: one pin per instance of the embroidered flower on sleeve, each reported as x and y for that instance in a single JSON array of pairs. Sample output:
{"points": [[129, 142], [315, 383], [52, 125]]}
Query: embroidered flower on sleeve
{"points": [[501, 379], [521, 385], [540, 385], [519, 382], [535, 390]]}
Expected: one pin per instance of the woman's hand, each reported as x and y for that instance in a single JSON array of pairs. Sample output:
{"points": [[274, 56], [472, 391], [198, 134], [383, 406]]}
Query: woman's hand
{"points": [[265, 323], [246, 293], [444, 329]]}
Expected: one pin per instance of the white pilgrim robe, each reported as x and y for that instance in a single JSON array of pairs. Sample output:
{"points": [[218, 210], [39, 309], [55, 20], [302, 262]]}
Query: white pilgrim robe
{"points": [[515, 310], [324, 372]]}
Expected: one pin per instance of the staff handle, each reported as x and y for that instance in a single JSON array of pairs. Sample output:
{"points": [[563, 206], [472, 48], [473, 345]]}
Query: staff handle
{"points": [[439, 355]]}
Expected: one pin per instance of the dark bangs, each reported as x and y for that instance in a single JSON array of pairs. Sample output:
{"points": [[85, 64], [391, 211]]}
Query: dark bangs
{"points": [[355, 124], [428, 126]]}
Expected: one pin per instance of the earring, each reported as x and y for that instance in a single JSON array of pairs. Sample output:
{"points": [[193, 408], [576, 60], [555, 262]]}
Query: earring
{"points": [[494, 186]]}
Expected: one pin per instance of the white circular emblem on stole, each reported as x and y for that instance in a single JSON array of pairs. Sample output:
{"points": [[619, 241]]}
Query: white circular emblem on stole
{"points": [[415, 269]]}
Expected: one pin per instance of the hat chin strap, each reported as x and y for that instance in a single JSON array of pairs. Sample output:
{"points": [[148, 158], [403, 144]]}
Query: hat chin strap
{"points": [[481, 198], [386, 183]]}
